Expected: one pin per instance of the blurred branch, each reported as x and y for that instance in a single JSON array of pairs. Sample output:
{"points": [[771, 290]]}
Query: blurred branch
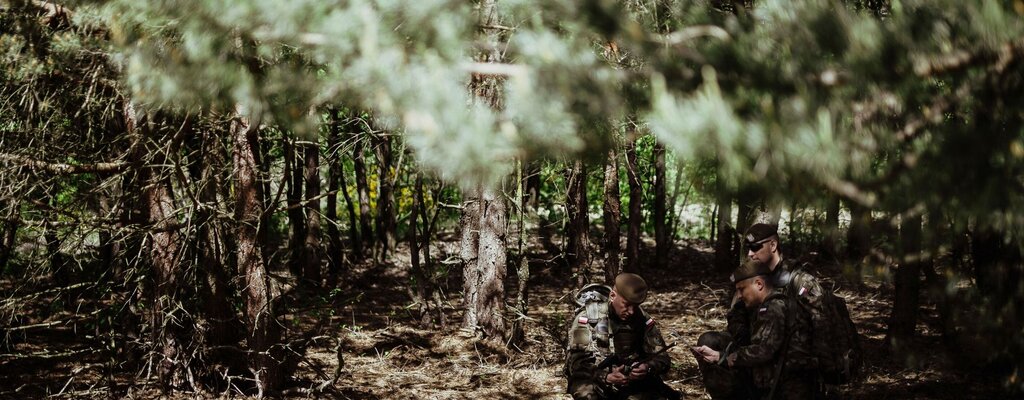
{"points": [[62, 168], [963, 59]]}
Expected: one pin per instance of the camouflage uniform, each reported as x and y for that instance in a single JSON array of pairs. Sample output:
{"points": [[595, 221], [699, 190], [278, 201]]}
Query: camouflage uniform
{"points": [[597, 333], [746, 327]]}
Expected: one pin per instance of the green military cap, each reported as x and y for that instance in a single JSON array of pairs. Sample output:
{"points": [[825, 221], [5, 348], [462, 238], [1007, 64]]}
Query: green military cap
{"points": [[631, 287], [759, 232], [749, 269]]}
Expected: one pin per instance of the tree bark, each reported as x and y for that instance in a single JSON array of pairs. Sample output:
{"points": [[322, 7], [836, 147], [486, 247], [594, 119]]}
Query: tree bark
{"points": [[223, 325], [725, 259], [363, 192], [296, 220], [612, 217], [264, 332], [485, 278], [858, 237], [335, 183], [310, 255], [8, 236], [386, 223], [484, 270], [635, 217], [578, 228], [903, 321], [661, 238]]}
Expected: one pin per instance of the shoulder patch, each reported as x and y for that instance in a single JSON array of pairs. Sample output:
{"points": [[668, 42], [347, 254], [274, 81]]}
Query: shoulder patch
{"points": [[763, 309], [584, 320], [802, 291], [650, 323]]}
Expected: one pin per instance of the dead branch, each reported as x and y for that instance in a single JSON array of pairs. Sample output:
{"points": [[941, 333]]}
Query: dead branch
{"points": [[62, 168]]}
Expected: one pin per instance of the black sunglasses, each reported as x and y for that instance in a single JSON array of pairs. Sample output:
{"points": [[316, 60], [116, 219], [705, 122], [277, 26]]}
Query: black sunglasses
{"points": [[755, 246]]}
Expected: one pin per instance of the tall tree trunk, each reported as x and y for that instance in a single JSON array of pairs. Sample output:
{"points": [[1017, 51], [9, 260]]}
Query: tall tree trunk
{"points": [[296, 220], [8, 235], [386, 223], [612, 217], [578, 228], [522, 300], [469, 252], [858, 237], [310, 259], [635, 198], [363, 192], [903, 321], [421, 272], [661, 237], [264, 331], [745, 214], [485, 279], [223, 325], [335, 179], [725, 259], [164, 255]]}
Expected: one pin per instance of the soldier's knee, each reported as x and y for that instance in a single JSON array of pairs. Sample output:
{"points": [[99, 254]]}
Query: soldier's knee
{"points": [[714, 340], [585, 391]]}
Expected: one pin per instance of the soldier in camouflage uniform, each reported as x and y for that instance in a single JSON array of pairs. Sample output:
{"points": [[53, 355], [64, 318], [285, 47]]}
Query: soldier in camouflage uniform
{"points": [[615, 350], [777, 356], [762, 244]]}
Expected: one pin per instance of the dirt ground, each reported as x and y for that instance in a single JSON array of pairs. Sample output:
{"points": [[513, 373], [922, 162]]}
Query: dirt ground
{"points": [[386, 354]]}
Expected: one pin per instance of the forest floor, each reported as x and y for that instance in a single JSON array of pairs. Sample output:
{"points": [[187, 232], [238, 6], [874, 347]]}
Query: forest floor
{"points": [[385, 353]]}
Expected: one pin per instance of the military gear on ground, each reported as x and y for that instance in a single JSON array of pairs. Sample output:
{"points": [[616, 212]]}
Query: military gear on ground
{"points": [[631, 287], [596, 333]]}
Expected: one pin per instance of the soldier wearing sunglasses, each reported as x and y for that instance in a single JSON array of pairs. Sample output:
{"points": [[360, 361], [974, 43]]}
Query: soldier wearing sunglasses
{"points": [[762, 244]]}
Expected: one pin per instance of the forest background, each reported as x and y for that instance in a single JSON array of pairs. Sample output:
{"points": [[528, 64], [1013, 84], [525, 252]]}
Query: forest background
{"points": [[381, 198]]}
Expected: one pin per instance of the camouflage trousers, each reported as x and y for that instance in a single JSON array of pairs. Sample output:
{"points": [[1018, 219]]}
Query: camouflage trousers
{"points": [[647, 389], [724, 383]]}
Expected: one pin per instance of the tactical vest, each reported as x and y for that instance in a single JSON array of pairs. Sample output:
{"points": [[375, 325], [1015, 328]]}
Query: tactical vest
{"points": [[600, 334]]}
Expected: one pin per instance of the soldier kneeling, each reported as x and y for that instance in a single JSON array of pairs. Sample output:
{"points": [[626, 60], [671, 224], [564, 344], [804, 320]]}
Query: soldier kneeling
{"points": [[615, 350]]}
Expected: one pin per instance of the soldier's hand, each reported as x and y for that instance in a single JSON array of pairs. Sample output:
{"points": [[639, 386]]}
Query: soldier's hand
{"points": [[705, 353], [638, 372], [616, 377]]}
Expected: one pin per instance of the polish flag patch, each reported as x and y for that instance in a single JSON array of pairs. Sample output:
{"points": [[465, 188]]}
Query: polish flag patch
{"points": [[802, 291], [584, 320], [650, 323]]}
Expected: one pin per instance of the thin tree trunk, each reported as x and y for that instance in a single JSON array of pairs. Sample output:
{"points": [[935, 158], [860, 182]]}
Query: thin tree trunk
{"points": [[635, 217], [858, 237], [745, 215], [264, 332], [612, 217], [531, 183], [521, 303], [578, 228], [335, 246], [311, 243], [662, 243], [296, 219], [469, 252], [8, 236], [363, 191], [421, 295], [210, 247], [725, 260], [903, 321], [164, 255], [386, 223]]}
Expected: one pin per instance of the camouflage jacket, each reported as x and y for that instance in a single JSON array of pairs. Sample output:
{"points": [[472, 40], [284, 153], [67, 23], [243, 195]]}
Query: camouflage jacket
{"points": [[768, 341], [785, 279], [596, 333]]}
